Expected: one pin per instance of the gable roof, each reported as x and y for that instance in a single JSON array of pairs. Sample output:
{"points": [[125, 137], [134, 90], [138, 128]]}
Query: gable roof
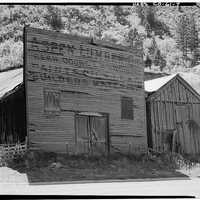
{"points": [[156, 85], [192, 78], [9, 80]]}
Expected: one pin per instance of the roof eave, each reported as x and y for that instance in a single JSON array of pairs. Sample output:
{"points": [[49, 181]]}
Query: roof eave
{"points": [[157, 92], [10, 92]]}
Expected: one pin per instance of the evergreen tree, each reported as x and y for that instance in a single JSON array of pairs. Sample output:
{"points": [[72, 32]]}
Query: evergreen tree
{"points": [[187, 39], [53, 18], [150, 20], [193, 40], [119, 24], [181, 34], [121, 13]]}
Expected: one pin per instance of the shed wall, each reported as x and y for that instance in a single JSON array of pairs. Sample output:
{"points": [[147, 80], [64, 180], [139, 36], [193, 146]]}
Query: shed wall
{"points": [[175, 110], [12, 118]]}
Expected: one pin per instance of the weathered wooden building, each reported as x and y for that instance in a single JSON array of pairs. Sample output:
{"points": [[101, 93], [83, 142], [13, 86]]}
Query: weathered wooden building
{"points": [[83, 95], [12, 107], [173, 115]]}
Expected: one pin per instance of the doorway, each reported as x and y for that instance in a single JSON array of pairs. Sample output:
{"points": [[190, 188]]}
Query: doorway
{"points": [[182, 116], [91, 133]]}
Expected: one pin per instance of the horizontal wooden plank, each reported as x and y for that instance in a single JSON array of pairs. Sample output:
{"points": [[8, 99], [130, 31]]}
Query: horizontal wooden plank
{"points": [[61, 36], [77, 76]]}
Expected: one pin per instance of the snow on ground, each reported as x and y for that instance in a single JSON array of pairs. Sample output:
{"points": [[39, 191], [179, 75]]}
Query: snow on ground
{"points": [[8, 175], [13, 182], [191, 172]]}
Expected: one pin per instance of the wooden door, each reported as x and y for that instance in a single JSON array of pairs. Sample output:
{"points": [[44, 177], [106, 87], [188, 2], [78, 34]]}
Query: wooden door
{"points": [[82, 137], [167, 140], [91, 134], [182, 117]]}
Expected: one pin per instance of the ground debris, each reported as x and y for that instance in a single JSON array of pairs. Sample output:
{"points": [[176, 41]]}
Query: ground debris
{"points": [[47, 167], [56, 165]]}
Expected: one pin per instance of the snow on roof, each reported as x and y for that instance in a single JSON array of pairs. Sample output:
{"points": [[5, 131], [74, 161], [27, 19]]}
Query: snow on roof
{"points": [[9, 80], [192, 78], [12, 78], [155, 84]]}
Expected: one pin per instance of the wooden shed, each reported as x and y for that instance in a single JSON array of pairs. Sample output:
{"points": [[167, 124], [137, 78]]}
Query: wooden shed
{"points": [[12, 107], [173, 115], [83, 95]]}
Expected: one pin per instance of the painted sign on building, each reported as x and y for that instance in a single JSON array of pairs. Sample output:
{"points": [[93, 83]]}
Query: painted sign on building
{"points": [[83, 96]]}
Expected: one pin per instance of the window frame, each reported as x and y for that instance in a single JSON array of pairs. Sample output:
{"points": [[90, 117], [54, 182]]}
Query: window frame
{"points": [[49, 93], [127, 104]]}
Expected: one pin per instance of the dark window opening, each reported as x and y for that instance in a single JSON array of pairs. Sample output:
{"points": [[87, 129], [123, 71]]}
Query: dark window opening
{"points": [[126, 108], [51, 100]]}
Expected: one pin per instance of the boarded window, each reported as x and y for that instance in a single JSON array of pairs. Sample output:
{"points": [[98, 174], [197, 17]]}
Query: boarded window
{"points": [[51, 100], [126, 108]]}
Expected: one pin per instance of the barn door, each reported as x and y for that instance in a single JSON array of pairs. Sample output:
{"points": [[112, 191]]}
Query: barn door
{"points": [[182, 117], [91, 134]]}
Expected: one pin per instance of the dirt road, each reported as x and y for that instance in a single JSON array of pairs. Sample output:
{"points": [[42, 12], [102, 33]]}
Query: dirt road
{"points": [[12, 182]]}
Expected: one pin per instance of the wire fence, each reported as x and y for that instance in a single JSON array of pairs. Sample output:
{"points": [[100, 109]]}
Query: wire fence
{"points": [[9, 152]]}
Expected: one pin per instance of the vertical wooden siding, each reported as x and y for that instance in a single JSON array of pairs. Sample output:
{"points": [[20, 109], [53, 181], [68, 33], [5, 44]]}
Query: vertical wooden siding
{"points": [[12, 118], [164, 117]]}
